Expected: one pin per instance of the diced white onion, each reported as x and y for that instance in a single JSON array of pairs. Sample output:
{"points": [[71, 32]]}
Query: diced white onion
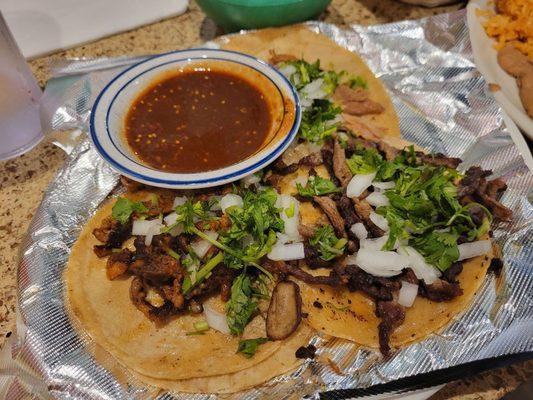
{"points": [[216, 320], [154, 298], [359, 230], [287, 70], [147, 228], [179, 201], [337, 120], [383, 185], [170, 219], [358, 184], [178, 229], [230, 200], [305, 102], [282, 238], [287, 252], [377, 199], [380, 221], [474, 249], [407, 294], [313, 90], [286, 202], [374, 244], [423, 271], [379, 263], [202, 246], [250, 180], [301, 179]]}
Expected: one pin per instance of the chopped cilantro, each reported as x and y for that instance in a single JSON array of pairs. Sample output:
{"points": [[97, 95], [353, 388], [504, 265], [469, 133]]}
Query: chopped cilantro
{"points": [[327, 244], [318, 121], [242, 304], [357, 81], [248, 347], [317, 186], [202, 273], [123, 208], [364, 161]]}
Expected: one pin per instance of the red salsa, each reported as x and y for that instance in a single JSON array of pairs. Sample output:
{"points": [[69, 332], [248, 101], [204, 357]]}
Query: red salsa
{"points": [[197, 120]]}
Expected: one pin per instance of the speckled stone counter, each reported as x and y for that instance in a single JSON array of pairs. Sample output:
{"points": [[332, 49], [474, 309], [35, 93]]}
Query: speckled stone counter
{"points": [[24, 179]]}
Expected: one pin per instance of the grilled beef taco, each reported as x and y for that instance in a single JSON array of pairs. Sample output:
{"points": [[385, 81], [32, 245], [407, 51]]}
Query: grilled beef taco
{"points": [[352, 232]]}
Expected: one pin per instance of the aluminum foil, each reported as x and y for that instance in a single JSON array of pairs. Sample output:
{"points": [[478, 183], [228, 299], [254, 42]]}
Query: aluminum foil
{"points": [[444, 105]]}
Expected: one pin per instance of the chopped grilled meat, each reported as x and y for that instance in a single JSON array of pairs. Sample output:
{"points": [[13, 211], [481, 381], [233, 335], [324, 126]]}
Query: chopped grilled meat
{"points": [[274, 180], [438, 160], [281, 267], [440, 290], [112, 233], [363, 210], [327, 156], [392, 315], [311, 160], [130, 185], [340, 168], [305, 352], [390, 152], [182, 243], [118, 264], [330, 209], [356, 101], [496, 266], [306, 231], [498, 210], [152, 263], [163, 205], [102, 251], [364, 130], [377, 288], [221, 278], [138, 292], [495, 188], [347, 211], [408, 275], [206, 193], [452, 272], [173, 293], [312, 258], [276, 59], [474, 176], [195, 306]]}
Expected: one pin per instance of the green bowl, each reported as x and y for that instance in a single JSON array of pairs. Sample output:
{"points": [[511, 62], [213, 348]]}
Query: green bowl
{"points": [[233, 15]]}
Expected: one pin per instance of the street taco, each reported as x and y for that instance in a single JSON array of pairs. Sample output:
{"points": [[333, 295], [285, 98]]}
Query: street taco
{"points": [[352, 232]]}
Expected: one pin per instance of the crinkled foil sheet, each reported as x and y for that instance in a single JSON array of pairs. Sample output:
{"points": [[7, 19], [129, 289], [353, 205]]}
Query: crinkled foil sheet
{"points": [[443, 104]]}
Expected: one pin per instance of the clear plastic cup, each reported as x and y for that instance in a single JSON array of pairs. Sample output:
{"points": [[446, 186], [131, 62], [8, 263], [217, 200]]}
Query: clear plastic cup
{"points": [[20, 127]]}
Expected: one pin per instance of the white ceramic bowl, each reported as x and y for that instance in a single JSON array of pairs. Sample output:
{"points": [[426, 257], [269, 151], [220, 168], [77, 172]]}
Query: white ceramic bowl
{"points": [[112, 104]]}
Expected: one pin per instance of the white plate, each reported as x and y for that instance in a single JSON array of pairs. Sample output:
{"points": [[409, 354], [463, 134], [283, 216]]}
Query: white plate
{"points": [[486, 62], [111, 106]]}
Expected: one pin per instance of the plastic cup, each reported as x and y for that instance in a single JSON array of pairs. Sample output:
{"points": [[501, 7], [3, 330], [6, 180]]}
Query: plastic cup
{"points": [[20, 126]]}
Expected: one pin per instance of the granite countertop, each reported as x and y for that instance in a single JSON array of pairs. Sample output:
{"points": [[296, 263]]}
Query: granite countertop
{"points": [[24, 179]]}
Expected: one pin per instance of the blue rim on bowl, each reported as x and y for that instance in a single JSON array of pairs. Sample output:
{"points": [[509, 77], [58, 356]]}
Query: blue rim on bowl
{"points": [[112, 103]]}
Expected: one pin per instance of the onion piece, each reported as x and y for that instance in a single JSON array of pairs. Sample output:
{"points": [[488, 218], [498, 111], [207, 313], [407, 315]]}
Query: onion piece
{"points": [[216, 203], [216, 320], [313, 90], [287, 70], [179, 201], [407, 294], [147, 228], [380, 221], [302, 180], [230, 200], [250, 180], [287, 252], [474, 249], [202, 246], [376, 244], [358, 184], [170, 219], [383, 185], [359, 230], [423, 271], [379, 263], [291, 221], [377, 199], [282, 238]]}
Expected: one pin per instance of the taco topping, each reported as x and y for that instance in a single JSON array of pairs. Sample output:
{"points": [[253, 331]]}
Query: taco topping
{"points": [[390, 223]]}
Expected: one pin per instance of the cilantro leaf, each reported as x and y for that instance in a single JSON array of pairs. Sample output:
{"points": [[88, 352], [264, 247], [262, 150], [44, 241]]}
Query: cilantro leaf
{"points": [[357, 81], [123, 208], [242, 304], [364, 161], [305, 72], [317, 186], [318, 121], [438, 248], [327, 244], [248, 347]]}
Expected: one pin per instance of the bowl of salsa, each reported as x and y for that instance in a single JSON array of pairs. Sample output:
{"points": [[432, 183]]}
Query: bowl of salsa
{"points": [[194, 118]]}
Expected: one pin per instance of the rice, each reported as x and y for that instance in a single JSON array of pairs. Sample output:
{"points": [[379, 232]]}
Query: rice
{"points": [[513, 23]]}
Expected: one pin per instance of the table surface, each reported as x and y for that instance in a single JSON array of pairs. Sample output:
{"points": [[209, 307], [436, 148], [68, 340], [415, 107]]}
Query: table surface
{"points": [[24, 179]]}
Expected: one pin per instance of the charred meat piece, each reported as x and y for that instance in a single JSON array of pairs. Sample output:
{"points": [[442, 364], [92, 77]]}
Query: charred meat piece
{"points": [[330, 209], [102, 251], [156, 267], [474, 178], [340, 168], [173, 293], [375, 287], [356, 101], [327, 156], [274, 180], [408, 275], [130, 185], [283, 268], [306, 231], [221, 279], [347, 211], [440, 290], [118, 264], [363, 210], [495, 188], [312, 258], [138, 295], [390, 152], [311, 160], [392, 316], [285, 311], [450, 275], [112, 233], [438, 160], [497, 209]]}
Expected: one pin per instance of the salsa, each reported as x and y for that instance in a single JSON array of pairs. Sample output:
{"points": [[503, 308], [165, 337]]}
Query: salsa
{"points": [[197, 120]]}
